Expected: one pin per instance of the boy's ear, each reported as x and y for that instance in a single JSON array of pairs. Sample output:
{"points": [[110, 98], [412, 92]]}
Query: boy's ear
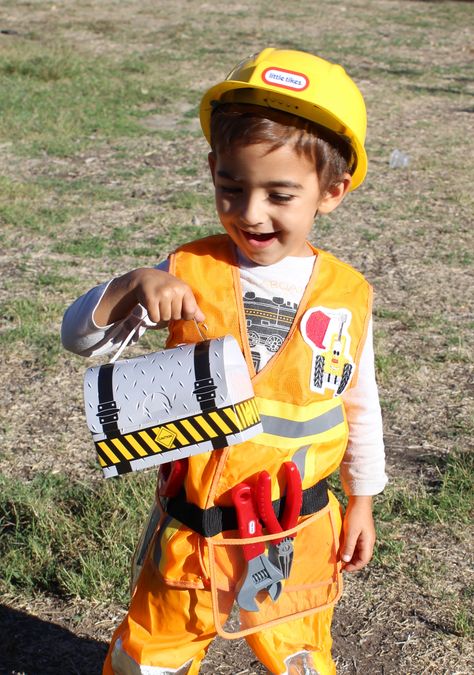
{"points": [[335, 194], [211, 158]]}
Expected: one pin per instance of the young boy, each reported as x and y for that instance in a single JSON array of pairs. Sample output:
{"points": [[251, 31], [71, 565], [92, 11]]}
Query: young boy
{"points": [[287, 134]]}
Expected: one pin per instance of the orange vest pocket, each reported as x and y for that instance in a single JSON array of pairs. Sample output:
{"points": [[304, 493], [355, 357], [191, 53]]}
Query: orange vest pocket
{"points": [[178, 553], [314, 583]]}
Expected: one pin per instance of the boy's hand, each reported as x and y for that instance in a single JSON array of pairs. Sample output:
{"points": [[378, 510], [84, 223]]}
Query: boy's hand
{"points": [[358, 534], [163, 295]]}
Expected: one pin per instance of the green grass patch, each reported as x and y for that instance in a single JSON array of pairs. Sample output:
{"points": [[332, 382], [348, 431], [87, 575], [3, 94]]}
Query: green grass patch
{"points": [[27, 206], [115, 244], [458, 257], [447, 499], [70, 539], [59, 101], [91, 245], [369, 235], [78, 188], [189, 200], [33, 217], [388, 551], [32, 323], [388, 313], [187, 171], [55, 281], [464, 622], [389, 364]]}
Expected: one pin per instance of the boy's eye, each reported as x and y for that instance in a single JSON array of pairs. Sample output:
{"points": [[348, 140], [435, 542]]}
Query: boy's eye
{"points": [[229, 189], [279, 197]]}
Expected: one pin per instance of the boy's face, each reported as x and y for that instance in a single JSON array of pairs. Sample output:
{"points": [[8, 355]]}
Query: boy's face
{"points": [[267, 200]]}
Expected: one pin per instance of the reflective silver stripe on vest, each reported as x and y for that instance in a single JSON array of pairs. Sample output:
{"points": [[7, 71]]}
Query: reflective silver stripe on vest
{"points": [[291, 429]]}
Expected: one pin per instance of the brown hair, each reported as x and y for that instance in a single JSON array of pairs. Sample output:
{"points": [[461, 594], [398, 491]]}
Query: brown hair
{"points": [[240, 124]]}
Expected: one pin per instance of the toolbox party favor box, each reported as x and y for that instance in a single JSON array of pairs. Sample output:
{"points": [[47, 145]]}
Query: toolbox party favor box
{"points": [[167, 405]]}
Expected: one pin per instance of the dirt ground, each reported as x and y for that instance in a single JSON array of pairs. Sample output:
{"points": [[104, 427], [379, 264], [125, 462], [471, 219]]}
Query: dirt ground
{"points": [[409, 230]]}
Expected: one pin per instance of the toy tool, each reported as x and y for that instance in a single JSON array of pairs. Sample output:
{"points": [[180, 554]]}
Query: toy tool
{"points": [[261, 574], [280, 550]]}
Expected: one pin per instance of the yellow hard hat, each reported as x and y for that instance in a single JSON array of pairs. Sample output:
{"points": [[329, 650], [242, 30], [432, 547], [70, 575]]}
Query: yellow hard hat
{"points": [[302, 84]]}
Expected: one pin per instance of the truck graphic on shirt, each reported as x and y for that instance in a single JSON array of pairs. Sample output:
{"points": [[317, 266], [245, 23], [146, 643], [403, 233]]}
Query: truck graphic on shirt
{"points": [[268, 320]]}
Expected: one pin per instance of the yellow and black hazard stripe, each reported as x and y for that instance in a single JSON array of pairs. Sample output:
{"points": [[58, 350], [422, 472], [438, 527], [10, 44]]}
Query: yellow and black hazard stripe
{"points": [[213, 425]]}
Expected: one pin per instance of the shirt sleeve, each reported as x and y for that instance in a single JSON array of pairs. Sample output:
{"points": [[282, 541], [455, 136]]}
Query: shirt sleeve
{"points": [[81, 335], [362, 469]]}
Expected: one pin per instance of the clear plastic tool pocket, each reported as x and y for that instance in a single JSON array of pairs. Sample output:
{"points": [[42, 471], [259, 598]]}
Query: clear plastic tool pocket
{"points": [[314, 581]]}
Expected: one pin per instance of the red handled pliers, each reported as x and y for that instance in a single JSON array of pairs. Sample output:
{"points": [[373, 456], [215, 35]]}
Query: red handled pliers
{"points": [[280, 550]]}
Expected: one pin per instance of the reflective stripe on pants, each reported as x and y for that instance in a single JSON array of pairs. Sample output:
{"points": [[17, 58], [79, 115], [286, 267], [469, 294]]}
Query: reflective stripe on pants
{"points": [[123, 664]]}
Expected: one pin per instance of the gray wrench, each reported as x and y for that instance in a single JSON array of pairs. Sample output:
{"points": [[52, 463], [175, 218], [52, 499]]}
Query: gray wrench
{"points": [[261, 574]]}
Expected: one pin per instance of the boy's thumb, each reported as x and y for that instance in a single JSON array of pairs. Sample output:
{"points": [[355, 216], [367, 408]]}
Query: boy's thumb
{"points": [[348, 550]]}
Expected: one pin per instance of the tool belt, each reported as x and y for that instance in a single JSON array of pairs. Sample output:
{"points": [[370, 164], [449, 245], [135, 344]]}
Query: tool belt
{"points": [[216, 519]]}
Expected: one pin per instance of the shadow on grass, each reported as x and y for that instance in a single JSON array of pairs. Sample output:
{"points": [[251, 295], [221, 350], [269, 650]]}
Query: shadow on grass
{"points": [[34, 647]]}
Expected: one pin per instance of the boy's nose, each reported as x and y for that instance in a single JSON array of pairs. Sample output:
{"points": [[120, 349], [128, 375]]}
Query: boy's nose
{"points": [[251, 211]]}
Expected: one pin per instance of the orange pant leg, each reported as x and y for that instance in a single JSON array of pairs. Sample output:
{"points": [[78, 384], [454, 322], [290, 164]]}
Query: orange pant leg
{"points": [[312, 633], [165, 628]]}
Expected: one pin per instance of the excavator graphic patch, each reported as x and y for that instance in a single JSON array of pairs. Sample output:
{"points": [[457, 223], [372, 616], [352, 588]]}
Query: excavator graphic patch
{"points": [[325, 331]]}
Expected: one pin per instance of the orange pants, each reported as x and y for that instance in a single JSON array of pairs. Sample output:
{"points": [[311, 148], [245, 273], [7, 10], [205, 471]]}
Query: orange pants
{"points": [[168, 629]]}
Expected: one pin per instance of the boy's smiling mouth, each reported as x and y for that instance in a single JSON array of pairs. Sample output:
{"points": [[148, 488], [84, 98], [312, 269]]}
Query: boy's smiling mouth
{"points": [[259, 239]]}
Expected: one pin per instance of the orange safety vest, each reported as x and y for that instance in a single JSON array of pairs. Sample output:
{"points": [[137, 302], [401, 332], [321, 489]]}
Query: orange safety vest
{"points": [[296, 392], [287, 399]]}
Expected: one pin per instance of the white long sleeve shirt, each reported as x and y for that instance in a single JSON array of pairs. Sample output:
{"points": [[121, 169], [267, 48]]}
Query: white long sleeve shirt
{"points": [[363, 467]]}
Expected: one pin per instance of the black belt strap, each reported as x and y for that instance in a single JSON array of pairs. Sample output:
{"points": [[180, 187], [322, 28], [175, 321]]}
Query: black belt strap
{"points": [[107, 410], [209, 522], [204, 387]]}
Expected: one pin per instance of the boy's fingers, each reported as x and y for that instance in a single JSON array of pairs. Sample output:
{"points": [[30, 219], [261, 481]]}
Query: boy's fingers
{"points": [[356, 564], [353, 567], [358, 557], [199, 316], [177, 308], [154, 313], [352, 561], [190, 308], [166, 310]]}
